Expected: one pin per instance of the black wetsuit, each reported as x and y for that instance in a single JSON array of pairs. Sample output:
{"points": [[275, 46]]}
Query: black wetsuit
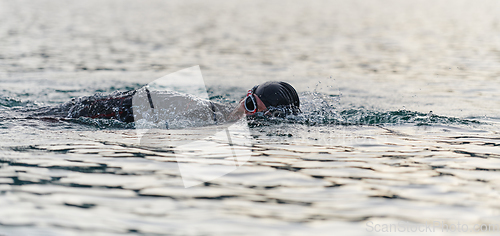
{"points": [[115, 106]]}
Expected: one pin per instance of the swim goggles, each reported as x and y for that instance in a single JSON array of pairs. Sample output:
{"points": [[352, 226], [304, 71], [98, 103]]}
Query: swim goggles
{"points": [[250, 103]]}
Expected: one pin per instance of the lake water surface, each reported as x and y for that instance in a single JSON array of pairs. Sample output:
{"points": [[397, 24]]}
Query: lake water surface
{"points": [[400, 123]]}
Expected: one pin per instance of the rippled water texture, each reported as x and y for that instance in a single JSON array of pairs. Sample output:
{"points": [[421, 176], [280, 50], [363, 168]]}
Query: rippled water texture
{"points": [[400, 117]]}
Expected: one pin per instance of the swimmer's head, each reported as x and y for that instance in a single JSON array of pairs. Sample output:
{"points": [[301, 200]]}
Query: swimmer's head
{"points": [[278, 99]]}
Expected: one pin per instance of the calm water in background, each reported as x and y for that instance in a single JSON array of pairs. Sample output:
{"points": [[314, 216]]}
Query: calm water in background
{"points": [[367, 149]]}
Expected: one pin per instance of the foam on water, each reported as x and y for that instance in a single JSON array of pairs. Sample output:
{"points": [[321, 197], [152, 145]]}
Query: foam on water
{"points": [[318, 109]]}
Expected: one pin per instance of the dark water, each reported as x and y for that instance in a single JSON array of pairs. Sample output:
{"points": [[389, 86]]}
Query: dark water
{"points": [[400, 117]]}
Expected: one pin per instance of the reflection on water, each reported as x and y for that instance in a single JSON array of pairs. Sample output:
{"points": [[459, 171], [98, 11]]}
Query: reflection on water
{"points": [[312, 178], [400, 119]]}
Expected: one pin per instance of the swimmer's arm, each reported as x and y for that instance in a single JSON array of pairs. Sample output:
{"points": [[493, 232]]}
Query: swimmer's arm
{"points": [[237, 113], [231, 115]]}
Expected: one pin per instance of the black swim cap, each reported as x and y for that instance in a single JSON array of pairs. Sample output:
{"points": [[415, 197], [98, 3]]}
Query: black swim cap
{"points": [[279, 95]]}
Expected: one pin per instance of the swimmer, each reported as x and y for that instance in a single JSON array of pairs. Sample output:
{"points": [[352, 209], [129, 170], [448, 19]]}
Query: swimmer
{"points": [[272, 99], [275, 99]]}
